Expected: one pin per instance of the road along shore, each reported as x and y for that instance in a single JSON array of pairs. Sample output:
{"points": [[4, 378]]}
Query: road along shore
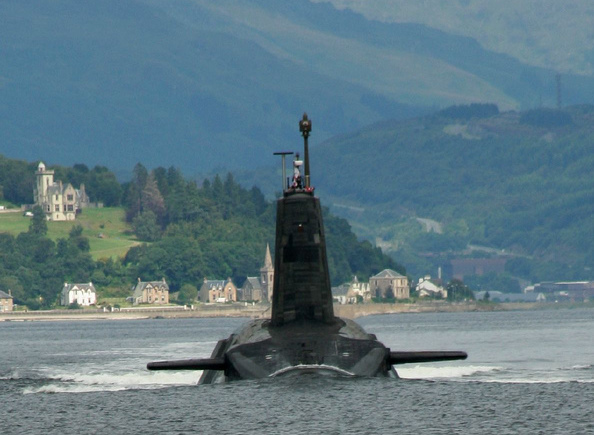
{"points": [[253, 311]]}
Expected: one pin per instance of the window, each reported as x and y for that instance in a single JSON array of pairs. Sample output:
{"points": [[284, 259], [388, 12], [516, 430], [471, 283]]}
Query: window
{"points": [[70, 197], [70, 207], [57, 207]]}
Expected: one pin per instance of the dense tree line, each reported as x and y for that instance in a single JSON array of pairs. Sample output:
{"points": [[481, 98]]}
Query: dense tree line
{"points": [[35, 267], [17, 180], [220, 229], [215, 230], [474, 110]]}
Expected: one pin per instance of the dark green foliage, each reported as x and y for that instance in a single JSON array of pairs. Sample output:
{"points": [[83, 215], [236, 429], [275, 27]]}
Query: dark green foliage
{"points": [[458, 291], [35, 267], [146, 227], [187, 294], [38, 224], [474, 110], [491, 281], [17, 179], [100, 183], [348, 257], [546, 118]]}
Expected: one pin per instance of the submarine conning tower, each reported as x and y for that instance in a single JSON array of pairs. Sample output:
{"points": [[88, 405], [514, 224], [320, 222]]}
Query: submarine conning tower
{"points": [[301, 290]]}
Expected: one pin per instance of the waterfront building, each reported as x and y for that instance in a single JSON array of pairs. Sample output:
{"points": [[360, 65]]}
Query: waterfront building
{"points": [[428, 287], [83, 294], [217, 291], [151, 292], [6, 301], [389, 284]]}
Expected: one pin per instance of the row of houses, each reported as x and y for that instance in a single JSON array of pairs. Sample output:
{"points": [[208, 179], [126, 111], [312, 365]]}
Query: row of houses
{"points": [[144, 292], [387, 284]]}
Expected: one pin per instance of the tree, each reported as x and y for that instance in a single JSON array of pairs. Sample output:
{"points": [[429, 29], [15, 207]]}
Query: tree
{"points": [[152, 200], [458, 291], [187, 294], [38, 224], [146, 227]]}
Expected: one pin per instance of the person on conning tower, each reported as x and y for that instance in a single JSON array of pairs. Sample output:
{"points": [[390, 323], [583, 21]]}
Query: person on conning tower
{"points": [[297, 180]]}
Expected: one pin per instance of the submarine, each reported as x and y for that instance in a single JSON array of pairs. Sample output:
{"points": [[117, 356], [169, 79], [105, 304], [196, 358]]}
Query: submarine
{"points": [[302, 334]]}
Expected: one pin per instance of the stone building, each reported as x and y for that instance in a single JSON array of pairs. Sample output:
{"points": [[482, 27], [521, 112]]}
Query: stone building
{"points": [[83, 294], [59, 202], [260, 288], [252, 289], [389, 283], [217, 291], [151, 292], [6, 301]]}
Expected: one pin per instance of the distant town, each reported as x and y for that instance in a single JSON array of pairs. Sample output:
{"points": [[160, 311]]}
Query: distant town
{"points": [[63, 202]]}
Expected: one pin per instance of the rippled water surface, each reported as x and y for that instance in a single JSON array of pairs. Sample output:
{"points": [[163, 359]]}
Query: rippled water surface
{"points": [[527, 372]]}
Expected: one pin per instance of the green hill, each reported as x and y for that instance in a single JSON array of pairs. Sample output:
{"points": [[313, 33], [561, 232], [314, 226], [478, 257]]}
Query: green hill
{"points": [[518, 182], [108, 233]]}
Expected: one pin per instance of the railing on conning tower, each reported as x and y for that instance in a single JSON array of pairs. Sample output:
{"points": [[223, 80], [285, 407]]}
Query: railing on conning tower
{"points": [[298, 182]]}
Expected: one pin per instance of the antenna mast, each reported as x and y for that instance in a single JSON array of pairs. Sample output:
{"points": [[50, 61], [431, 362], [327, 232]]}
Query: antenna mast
{"points": [[305, 129]]}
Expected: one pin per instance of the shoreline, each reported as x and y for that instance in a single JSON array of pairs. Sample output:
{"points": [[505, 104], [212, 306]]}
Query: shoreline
{"points": [[255, 312]]}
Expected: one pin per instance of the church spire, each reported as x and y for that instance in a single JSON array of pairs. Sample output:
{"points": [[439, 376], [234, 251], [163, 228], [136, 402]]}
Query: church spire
{"points": [[268, 258]]}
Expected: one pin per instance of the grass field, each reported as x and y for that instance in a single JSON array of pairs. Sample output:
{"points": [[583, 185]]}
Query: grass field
{"points": [[108, 233]]}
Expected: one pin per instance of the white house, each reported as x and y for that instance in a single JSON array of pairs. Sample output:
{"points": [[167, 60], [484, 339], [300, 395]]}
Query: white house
{"points": [[83, 294], [430, 288]]}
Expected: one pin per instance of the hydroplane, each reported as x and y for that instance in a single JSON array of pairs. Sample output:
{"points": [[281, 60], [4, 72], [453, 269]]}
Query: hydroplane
{"points": [[302, 334]]}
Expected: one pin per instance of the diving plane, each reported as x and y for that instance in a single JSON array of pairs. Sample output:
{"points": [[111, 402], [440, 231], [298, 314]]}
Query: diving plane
{"points": [[302, 334]]}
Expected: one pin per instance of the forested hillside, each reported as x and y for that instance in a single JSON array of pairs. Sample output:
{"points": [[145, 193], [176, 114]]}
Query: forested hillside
{"points": [[518, 182], [205, 84], [215, 230]]}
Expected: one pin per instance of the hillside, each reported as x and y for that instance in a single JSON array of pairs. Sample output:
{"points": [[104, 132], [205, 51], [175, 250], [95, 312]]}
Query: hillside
{"points": [[508, 181], [203, 85], [537, 31]]}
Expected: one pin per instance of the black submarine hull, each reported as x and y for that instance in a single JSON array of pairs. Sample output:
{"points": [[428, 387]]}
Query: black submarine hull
{"points": [[259, 350]]}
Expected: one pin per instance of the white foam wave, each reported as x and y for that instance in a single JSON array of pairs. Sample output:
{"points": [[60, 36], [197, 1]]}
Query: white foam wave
{"points": [[495, 374], [558, 380], [96, 382], [426, 372], [582, 367]]}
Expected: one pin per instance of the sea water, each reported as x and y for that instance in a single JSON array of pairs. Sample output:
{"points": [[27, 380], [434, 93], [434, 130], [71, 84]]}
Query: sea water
{"points": [[528, 372]]}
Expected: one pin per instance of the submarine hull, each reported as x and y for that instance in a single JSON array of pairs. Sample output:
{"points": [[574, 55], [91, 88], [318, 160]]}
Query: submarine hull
{"points": [[259, 350]]}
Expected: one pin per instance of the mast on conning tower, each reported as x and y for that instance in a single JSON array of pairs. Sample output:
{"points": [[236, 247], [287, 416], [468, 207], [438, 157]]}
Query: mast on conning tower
{"points": [[305, 129]]}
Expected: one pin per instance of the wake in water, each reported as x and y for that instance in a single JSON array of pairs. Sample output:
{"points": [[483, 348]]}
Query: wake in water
{"points": [[62, 382], [89, 379], [500, 374], [53, 381]]}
